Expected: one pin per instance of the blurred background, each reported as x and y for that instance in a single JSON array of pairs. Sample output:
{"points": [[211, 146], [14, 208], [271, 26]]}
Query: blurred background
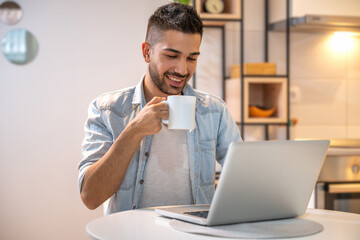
{"points": [[86, 48]]}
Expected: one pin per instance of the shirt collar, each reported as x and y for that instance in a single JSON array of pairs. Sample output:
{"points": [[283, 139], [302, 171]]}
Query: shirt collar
{"points": [[139, 96], [188, 90]]}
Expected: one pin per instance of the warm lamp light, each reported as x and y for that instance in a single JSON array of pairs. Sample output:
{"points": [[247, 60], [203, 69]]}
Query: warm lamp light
{"points": [[343, 41]]}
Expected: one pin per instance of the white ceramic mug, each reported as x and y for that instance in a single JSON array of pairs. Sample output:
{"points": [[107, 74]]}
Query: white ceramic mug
{"points": [[181, 112]]}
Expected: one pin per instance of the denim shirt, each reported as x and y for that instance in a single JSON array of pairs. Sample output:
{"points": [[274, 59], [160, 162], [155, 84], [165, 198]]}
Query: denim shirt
{"points": [[110, 113]]}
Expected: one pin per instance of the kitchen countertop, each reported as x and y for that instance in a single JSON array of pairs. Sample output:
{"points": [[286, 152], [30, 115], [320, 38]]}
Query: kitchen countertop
{"points": [[337, 151]]}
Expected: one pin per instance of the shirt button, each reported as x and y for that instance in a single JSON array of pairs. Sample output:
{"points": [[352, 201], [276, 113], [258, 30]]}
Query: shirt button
{"points": [[141, 181], [147, 154], [134, 207]]}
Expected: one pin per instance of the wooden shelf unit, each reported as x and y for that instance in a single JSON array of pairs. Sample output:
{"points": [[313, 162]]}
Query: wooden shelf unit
{"points": [[267, 93], [262, 91]]}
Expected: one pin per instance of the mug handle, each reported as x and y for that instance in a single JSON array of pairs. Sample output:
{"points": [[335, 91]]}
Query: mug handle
{"points": [[163, 120]]}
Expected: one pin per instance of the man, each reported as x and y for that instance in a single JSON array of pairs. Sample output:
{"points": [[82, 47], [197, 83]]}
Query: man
{"points": [[128, 155]]}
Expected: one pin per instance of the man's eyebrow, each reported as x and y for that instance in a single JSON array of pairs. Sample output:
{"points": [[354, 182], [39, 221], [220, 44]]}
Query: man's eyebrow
{"points": [[178, 52]]}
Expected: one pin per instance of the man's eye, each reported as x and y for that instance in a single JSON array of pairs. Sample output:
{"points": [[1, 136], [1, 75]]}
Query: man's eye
{"points": [[171, 56], [192, 59]]}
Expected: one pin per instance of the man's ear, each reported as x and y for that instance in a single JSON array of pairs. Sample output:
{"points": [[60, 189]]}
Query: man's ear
{"points": [[146, 51]]}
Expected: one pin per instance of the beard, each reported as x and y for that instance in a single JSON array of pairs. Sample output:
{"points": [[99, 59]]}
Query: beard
{"points": [[160, 81]]}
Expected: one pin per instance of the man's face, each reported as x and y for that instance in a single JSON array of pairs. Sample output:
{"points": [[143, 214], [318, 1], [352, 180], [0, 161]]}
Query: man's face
{"points": [[173, 61]]}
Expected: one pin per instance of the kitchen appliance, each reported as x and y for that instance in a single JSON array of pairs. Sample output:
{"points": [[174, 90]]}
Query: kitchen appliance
{"points": [[319, 23], [338, 185]]}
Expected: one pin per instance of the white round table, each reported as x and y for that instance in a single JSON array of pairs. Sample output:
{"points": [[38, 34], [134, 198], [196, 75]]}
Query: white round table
{"points": [[145, 224]]}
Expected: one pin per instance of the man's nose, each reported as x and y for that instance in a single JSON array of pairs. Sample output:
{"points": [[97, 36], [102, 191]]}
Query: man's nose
{"points": [[181, 67]]}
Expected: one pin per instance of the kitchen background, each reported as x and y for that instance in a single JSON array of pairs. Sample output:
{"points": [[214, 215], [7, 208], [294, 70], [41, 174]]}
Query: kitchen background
{"points": [[90, 47]]}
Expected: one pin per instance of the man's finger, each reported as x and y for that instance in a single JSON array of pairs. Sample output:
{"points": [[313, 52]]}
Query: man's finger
{"points": [[165, 115], [156, 100], [162, 106]]}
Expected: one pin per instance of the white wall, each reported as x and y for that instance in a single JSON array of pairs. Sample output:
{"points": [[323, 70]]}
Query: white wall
{"points": [[329, 85], [86, 48]]}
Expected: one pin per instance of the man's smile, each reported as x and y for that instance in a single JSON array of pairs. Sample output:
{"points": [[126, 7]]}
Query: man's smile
{"points": [[175, 80]]}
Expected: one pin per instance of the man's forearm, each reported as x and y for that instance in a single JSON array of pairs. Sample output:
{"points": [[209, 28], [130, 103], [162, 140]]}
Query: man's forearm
{"points": [[104, 177]]}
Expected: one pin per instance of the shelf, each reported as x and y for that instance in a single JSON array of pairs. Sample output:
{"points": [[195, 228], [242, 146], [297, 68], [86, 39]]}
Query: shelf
{"points": [[263, 123], [232, 11], [214, 23], [266, 76], [267, 92], [261, 76]]}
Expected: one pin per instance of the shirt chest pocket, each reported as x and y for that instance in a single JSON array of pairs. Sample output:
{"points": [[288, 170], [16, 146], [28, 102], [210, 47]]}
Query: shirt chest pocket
{"points": [[207, 162]]}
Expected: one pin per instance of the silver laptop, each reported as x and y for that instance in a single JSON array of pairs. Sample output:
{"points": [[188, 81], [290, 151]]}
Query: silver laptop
{"points": [[259, 181]]}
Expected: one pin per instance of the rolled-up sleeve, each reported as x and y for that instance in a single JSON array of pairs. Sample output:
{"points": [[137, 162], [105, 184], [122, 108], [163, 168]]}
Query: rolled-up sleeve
{"points": [[98, 139]]}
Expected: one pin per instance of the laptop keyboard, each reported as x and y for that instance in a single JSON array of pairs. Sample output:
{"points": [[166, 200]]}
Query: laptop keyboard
{"points": [[202, 214]]}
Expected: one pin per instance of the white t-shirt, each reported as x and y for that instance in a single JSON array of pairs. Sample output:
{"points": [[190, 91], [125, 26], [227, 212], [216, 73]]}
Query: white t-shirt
{"points": [[167, 173]]}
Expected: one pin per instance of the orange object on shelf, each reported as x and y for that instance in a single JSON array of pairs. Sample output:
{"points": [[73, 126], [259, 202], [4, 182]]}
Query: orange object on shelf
{"points": [[255, 111], [293, 122]]}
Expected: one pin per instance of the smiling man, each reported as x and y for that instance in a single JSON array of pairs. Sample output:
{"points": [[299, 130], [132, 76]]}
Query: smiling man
{"points": [[172, 61], [128, 155]]}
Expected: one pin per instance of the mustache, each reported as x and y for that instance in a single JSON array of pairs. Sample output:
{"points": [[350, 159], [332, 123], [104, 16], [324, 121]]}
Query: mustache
{"points": [[177, 75]]}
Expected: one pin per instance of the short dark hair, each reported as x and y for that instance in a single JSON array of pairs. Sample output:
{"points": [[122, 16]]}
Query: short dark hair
{"points": [[173, 16]]}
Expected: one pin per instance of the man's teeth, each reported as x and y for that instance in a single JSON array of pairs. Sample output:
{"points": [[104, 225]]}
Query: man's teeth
{"points": [[175, 79]]}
